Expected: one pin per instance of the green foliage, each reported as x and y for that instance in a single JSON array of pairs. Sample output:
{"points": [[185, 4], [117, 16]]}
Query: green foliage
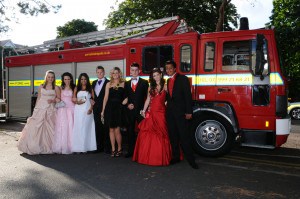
{"points": [[75, 27], [286, 20], [26, 7], [202, 15]]}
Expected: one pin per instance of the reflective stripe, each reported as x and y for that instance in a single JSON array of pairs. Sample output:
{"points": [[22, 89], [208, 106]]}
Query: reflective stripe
{"points": [[197, 80], [39, 82], [276, 79], [19, 83]]}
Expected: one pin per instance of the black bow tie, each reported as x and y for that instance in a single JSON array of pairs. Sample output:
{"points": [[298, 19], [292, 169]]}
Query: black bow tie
{"points": [[134, 78]]}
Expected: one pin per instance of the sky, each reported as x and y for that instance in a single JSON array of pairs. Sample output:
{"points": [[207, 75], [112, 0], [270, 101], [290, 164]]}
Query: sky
{"points": [[35, 30]]}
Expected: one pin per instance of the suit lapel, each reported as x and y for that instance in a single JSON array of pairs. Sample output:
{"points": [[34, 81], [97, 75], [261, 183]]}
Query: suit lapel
{"points": [[168, 86], [94, 84], [138, 84]]}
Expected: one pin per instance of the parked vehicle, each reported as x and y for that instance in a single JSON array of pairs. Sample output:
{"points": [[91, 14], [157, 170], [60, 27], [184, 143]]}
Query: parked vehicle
{"points": [[237, 84], [294, 110]]}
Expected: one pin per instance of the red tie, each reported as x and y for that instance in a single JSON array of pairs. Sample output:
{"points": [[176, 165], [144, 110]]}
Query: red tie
{"points": [[133, 86], [171, 85]]}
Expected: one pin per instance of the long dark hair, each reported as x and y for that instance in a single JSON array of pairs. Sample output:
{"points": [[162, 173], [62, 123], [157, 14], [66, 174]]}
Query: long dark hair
{"points": [[88, 83], [153, 82], [72, 84]]}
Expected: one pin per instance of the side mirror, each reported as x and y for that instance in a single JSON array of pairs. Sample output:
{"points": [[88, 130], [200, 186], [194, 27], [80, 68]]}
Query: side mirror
{"points": [[260, 58]]}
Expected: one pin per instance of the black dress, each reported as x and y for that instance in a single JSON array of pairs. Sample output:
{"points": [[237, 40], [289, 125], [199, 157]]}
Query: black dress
{"points": [[113, 113]]}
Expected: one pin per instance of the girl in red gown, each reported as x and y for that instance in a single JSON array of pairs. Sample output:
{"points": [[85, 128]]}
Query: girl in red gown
{"points": [[153, 144]]}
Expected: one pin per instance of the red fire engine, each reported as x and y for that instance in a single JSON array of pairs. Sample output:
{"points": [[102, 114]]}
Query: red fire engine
{"points": [[237, 84]]}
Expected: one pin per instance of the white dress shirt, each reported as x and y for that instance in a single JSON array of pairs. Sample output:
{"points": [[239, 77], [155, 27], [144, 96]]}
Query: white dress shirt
{"points": [[99, 87], [134, 81]]}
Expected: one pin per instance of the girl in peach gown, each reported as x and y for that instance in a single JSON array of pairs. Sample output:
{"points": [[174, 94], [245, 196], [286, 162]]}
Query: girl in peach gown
{"points": [[65, 117], [37, 135]]}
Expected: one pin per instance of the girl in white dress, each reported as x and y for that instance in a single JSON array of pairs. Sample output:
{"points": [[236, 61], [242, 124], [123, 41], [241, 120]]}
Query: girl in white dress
{"points": [[84, 137]]}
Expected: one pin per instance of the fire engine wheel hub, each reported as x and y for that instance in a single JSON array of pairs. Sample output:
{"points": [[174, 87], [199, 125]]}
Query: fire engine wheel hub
{"points": [[211, 135]]}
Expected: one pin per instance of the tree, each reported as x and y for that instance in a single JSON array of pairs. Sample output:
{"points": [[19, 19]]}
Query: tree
{"points": [[286, 20], [75, 27], [26, 7], [221, 15], [202, 15]]}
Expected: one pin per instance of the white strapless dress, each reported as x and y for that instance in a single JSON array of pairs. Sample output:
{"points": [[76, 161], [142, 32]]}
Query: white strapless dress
{"points": [[84, 137]]}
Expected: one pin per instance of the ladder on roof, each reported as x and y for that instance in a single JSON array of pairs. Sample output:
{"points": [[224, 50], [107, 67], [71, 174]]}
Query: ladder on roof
{"points": [[103, 35]]}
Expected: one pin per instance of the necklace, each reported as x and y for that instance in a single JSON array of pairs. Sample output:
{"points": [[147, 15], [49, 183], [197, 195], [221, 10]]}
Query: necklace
{"points": [[117, 86]]}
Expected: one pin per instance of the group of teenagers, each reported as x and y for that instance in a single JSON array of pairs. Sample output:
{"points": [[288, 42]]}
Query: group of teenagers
{"points": [[89, 117]]}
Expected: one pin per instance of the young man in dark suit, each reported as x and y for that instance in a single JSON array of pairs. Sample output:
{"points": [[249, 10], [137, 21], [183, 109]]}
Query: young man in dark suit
{"points": [[179, 111], [136, 91], [102, 137]]}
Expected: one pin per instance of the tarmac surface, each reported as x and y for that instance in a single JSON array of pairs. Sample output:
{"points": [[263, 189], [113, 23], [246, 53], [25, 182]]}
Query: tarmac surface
{"points": [[243, 173]]}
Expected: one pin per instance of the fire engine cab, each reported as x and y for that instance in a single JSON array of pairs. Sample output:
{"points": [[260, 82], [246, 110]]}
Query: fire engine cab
{"points": [[237, 84]]}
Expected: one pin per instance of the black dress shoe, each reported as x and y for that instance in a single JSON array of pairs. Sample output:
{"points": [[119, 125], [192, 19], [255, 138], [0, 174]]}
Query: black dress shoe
{"points": [[128, 155], [174, 161], [194, 165]]}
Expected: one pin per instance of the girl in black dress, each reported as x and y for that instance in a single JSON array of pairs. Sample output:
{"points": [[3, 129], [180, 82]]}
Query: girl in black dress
{"points": [[112, 105]]}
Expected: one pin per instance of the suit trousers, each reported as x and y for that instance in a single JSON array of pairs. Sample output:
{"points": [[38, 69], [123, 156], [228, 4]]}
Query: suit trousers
{"points": [[102, 134], [179, 133], [133, 119]]}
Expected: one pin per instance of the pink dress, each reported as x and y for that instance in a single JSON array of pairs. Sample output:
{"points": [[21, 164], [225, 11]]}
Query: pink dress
{"points": [[37, 135], [64, 125]]}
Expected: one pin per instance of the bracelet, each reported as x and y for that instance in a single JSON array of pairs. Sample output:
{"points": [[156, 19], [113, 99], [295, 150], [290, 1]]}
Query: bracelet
{"points": [[142, 112]]}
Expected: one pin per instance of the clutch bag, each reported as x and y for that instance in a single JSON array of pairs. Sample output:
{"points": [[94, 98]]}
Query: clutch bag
{"points": [[60, 104]]}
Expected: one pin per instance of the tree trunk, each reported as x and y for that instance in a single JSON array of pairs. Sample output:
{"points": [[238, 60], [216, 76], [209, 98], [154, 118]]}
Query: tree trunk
{"points": [[219, 26]]}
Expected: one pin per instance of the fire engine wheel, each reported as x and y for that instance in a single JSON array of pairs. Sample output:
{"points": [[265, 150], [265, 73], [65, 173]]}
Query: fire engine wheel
{"points": [[213, 135], [295, 113]]}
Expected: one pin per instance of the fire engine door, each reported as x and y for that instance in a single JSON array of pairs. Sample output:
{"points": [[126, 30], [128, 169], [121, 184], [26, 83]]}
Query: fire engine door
{"points": [[206, 73], [234, 77], [238, 82]]}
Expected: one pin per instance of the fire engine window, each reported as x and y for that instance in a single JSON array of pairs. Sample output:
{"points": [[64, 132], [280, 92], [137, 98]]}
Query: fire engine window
{"points": [[236, 56], [209, 63], [156, 56], [185, 58]]}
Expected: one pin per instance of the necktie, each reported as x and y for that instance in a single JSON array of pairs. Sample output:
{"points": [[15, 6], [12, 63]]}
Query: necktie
{"points": [[134, 78], [133, 86], [171, 85], [99, 82]]}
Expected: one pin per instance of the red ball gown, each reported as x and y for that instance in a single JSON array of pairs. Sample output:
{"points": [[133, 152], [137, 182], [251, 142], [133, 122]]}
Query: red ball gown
{"points": [[153, 143]]}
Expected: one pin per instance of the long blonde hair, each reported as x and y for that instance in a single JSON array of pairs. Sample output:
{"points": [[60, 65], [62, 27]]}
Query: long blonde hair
{"points": [[45, 79], [121, 75]]}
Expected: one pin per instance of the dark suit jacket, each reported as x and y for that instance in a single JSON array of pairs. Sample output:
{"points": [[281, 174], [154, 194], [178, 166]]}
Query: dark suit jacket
{"points": [[181, 100], [138, 97], [99, 99]]}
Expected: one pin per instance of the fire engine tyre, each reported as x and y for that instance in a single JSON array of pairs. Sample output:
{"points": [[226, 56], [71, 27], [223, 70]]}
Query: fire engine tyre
{"points": [[295, 113], [213, 135]]}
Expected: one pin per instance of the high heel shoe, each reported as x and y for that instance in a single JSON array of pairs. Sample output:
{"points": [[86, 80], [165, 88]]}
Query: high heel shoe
{"points": [[113, 154], [119, 153]]}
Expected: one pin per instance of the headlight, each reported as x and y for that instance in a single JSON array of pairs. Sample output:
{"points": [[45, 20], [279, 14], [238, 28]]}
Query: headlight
{"points": [[2, 114]]}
